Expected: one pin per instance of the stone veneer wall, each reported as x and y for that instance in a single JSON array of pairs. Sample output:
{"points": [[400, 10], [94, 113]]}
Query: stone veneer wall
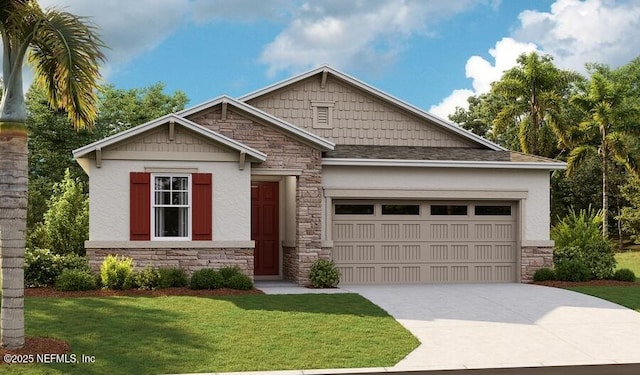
{"points": [[283, 152], [188, 259], [534, 258]]}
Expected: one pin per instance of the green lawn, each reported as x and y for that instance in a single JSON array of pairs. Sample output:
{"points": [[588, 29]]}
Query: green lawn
{"points": [[150, 335], [629, 259], [628, 296]]}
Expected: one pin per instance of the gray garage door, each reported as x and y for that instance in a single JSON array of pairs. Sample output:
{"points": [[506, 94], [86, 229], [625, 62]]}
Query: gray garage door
{"points": [[382, 242]]}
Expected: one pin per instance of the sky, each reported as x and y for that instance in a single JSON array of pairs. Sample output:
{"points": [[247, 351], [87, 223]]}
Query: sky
{"points": [[432, 54]]}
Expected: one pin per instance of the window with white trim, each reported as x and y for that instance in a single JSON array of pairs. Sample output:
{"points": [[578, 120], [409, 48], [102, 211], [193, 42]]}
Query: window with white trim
{"points": [[171, 207]]}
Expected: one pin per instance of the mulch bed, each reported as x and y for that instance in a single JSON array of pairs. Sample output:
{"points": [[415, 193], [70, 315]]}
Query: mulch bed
{"points": [[51, 292], [569, 284], [34, 346]]}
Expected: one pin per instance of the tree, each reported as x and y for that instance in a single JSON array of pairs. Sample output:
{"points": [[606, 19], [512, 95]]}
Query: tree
{"points": [[609, 128], [66, 222], [534, 96], [65, 53], [52, 137]]}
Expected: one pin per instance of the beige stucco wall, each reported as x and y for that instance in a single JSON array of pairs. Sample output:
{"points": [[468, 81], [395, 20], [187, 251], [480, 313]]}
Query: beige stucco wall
{"points": [[528, 186], [109, 203]]}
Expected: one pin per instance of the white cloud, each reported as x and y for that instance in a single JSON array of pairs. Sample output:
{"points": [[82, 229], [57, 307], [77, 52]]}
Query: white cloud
{"points": [[483, 73], [129, 28], [576, 32], [364, 33]]}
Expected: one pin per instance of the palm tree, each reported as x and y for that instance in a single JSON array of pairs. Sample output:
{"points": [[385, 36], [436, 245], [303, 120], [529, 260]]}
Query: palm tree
{"points": [[534, 95], [609, 130], [65, 53]]}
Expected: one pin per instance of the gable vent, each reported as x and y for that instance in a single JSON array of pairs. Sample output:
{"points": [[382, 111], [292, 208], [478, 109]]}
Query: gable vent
{"points": [[322, 114]]}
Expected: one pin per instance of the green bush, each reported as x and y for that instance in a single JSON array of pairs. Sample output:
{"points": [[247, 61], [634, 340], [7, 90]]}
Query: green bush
{"points": [[147, 279], [624, 274], [228, 272], [66, 222], [172, 277], [324, 274], [578, 229], [42, 267], [206, 278], [573, 270], [116, 272], [76, 279], [544, 274], [240, 282], [578, 236]]}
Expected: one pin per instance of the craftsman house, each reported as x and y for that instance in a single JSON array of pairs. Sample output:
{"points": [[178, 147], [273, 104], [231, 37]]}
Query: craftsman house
{"points": [[320, 165]]}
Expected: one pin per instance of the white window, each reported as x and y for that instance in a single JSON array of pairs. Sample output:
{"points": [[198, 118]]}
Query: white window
{"points": [[171, 208]]}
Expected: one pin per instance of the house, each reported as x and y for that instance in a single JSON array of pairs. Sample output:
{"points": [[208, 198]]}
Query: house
{"points": [[320, 165]]}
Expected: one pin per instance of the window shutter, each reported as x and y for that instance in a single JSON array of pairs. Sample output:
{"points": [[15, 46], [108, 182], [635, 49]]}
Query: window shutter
{"points": [[201, 207], [140, 206]]}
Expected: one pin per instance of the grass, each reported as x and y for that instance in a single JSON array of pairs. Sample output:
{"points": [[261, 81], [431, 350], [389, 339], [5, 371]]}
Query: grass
{"points": [[150, 335], [627, 296], [629, 259]]}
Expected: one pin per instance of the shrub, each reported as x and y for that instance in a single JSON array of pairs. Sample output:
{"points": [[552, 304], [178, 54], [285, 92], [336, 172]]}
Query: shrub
{"points": [[240, 282], [228, 272], [324, 274], [573, 270], [578, 229], [624, 274], [206, 278], [544, 274], [147, 279], [598, 256], [66, 222], [172, 277], [73, 261], [75, 279], [41, 267], [116, 272]]}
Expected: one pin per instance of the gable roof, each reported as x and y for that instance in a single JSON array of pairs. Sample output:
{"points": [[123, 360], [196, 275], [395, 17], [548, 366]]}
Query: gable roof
{"points": [[295, 131], [208, 134], [326, 70]]}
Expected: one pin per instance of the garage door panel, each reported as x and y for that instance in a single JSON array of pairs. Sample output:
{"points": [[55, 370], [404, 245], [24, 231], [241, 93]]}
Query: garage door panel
{"points": [[440, 273], [374, 248]]}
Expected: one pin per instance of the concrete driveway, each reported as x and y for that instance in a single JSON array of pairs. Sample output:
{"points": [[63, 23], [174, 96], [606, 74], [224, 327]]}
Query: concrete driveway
{"points": [[507, 325]]}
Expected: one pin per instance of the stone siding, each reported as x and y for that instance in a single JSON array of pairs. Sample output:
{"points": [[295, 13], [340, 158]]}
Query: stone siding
{"points": [[188, 259], [532, 259], [283, 152]]}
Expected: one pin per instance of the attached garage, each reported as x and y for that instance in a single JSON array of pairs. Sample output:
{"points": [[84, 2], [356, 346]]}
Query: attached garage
{"points": [[386, 241]]}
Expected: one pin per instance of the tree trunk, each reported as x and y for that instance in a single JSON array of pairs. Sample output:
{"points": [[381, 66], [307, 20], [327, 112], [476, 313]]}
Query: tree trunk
{"points": [[13, 219], [605, 198]]}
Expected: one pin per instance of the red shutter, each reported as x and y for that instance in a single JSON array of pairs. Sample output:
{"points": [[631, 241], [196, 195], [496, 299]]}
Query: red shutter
{"points": [[201, 203], [140, 206]]}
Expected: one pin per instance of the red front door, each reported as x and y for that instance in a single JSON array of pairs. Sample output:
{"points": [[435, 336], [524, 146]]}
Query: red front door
{"points": [[264, 227]]}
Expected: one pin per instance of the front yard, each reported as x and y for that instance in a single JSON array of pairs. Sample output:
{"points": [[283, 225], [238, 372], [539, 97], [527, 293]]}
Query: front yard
{"points": [[149, 335]]}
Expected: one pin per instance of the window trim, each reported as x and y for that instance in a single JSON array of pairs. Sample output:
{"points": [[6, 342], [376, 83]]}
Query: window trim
{"points": [[189, 207]]}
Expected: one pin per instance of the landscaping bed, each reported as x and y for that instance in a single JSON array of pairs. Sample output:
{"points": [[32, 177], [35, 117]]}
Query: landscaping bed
{"points": [[183, 291]]}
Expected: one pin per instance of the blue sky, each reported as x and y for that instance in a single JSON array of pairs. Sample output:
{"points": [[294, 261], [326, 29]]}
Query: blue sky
{"points": [[430, 53]]}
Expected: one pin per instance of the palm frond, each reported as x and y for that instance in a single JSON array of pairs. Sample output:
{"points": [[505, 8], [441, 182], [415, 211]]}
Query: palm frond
{"points": [[66, 54], [578, 155]]}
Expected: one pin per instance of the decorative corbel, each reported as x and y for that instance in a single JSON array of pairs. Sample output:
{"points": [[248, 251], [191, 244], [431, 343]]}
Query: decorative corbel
{"points": [[243, 157], [223, 114], [172, 130], [98, 157]]}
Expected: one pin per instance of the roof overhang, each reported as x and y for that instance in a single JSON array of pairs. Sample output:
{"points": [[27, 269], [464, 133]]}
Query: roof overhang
{"points": [[262, 116], [169, 119], [443, 164]]}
